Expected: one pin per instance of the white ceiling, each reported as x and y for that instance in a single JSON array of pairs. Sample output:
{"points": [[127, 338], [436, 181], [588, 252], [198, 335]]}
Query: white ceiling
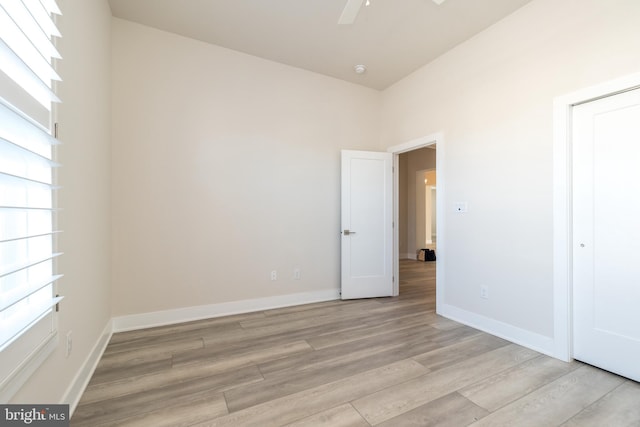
{"points": [[391, 37]]}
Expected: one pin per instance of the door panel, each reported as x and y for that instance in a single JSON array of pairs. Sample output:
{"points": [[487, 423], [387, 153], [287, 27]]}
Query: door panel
{"points": [[606, 230], [367, 210]]}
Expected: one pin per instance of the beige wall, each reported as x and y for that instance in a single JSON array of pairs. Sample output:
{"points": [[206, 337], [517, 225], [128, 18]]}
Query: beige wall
{"points": [[410, 163], [492, 97], [84, 177], [225, 167]]}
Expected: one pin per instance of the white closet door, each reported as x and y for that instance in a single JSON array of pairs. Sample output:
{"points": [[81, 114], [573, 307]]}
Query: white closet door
{"points": [[606, 233]]}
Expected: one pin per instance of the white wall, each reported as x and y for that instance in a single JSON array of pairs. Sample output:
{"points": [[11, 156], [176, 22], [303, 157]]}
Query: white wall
{"points": [[225, 167], [492, 97], [84, 197]]}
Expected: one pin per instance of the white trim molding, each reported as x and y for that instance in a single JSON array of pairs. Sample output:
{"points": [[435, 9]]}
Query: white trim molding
{"points": [[83, 376], [188, 314], [562, 200], [414, 144], [532, 340]]}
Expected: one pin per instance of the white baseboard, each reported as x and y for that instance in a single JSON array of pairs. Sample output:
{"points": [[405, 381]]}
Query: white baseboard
{"points": [[187, 314], [81, 380], [532, 340], [409, 256]]}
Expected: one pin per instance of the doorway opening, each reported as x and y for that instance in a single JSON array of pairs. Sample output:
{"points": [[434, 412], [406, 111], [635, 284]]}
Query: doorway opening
{"points": [[418, 205]]}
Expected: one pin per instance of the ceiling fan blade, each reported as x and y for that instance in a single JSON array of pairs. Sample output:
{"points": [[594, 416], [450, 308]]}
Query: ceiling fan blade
{"points": [[350, 12]]}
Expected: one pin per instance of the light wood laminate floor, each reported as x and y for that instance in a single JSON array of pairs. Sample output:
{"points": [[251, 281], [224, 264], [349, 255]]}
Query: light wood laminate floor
{"points": [[389, 362]]}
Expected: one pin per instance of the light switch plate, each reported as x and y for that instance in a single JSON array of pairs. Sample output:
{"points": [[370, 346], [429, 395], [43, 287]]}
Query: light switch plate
{"points": [[461, 207]]}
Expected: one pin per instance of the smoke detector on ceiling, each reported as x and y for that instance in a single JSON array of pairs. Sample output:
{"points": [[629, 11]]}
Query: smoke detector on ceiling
{"points": [[359, 69]]}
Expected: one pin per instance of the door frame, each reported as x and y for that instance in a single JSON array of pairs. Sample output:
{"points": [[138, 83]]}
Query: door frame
{"points": [[396, 150], [562, 202]]}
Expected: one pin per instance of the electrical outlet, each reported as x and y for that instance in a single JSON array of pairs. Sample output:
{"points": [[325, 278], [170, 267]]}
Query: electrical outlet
{"points": [[69, 343], [274, 275], [484, 292], [297, 274]]}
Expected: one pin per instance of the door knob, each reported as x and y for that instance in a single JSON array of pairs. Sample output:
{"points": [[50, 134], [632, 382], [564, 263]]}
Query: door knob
{"points": [[348, 232]]}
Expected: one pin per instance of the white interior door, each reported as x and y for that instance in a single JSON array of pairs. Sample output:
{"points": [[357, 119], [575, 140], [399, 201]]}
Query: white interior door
{"points": [[606, 233], [367, 218]]}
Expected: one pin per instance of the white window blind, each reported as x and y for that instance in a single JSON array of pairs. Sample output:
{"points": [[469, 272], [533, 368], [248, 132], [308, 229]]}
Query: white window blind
{"points": [[27, 211]]}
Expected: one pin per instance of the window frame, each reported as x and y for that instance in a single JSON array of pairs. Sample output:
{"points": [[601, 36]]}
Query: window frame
{"points": [[25, 351]]}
